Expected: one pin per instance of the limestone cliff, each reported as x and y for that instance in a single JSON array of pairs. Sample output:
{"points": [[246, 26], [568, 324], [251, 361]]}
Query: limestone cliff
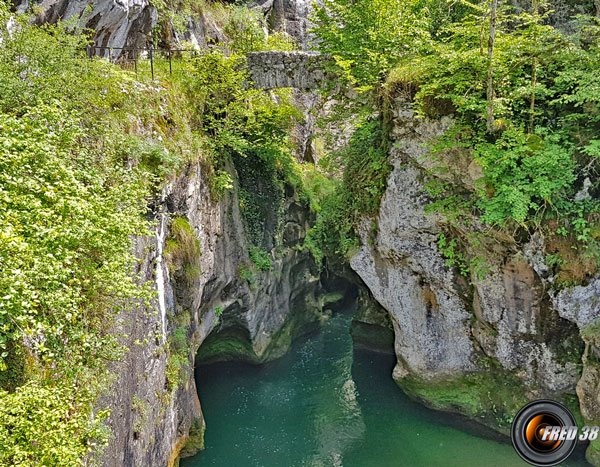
{"points": [[115, 24], [252, 314], [480, 345]]}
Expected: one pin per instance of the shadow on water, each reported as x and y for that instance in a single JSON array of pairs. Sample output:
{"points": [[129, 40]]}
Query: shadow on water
{"points": [[324, 404]]}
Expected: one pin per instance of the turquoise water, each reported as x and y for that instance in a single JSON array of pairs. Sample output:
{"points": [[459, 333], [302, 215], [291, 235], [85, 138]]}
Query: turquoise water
{"points": [[323, 404]]}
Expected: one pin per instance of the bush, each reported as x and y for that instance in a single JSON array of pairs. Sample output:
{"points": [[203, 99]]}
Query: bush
{"points": [[260, 258], [48, 425], [182, 250], [59, 205]]}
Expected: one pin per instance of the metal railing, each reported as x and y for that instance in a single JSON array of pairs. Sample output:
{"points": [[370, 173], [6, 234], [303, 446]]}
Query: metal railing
{"points": [[151, 60]]}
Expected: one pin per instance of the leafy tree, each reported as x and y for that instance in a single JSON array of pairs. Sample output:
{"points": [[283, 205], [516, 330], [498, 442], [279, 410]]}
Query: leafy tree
{"points": [[366, 38]]}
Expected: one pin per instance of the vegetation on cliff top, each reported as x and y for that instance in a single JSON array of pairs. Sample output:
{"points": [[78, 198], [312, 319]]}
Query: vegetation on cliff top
{"points": [[523, 98]]}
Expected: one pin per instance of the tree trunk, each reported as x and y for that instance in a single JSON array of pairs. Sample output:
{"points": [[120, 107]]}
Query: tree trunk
{"points": [[490, 77]]}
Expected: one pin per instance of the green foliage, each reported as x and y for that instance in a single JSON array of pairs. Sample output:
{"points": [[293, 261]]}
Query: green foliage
{"points": [[365, 38], [341, 206], [220, 182], [450, 248], [178, 358], [333, 236], [316, 185], [238, 118], [252, 213], [247, 273], [66, 238], [182, 250], [36, 64], [366, 167], [218, 313], [74, 180], [528, 171], [260, 258], [153, 157], [48, 425], [16, 372], [545, 105], [140, 406], [179, 338], [250, 128], [525, 172]]}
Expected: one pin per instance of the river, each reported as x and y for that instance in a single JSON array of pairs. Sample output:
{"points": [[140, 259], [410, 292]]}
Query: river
{"points": [[324, 404]]}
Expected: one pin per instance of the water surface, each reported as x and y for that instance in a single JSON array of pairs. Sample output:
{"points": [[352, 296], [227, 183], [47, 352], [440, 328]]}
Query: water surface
{"points": [[323, 405]]}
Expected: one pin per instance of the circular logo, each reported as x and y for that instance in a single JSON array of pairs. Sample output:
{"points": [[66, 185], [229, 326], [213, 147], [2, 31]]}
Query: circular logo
{"points": [[544, 433]]}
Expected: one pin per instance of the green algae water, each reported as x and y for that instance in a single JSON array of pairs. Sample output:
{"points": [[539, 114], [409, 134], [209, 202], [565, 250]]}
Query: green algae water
{"points": [[323, 404]]}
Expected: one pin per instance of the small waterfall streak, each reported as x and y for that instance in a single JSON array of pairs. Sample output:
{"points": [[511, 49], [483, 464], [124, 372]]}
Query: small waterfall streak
{"points": [[160, 275]]}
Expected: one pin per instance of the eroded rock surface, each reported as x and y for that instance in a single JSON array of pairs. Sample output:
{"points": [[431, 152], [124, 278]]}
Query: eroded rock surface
{"points": [[481, 345], [116, 24], [239, 316]]}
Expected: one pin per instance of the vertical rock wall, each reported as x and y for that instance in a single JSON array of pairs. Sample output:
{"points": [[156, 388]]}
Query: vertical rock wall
{"points": [[253, 318], [115, 23], [478, 345]]}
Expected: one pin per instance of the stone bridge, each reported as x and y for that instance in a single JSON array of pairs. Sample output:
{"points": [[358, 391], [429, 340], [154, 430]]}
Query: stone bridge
{"points": [[273, 69]]}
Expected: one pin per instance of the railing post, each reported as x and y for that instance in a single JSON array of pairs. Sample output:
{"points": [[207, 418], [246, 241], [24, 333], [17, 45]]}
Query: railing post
{"points": [[170, 69], [152, 62], [135, 60]]}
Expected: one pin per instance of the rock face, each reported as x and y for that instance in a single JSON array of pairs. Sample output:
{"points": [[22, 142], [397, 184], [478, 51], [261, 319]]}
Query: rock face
{"points": [[251, 317], [116, 23], [289, 16], [480, 346], [406, 274], [147, 418]]}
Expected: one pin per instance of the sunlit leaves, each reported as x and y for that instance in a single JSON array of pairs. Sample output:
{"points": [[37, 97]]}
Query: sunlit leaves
{"points": [[47, 425], [368, 37], [66, 259]]}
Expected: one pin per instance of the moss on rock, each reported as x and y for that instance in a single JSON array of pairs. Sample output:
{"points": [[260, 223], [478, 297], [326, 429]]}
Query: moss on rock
{"points": [[493, 397], [195, 439], [592, 454], [234, 343]]}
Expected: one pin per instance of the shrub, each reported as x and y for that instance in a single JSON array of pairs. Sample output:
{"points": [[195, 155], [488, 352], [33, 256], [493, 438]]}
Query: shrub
{"points": [[48, 425], [260, 258], [182, 249]]}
